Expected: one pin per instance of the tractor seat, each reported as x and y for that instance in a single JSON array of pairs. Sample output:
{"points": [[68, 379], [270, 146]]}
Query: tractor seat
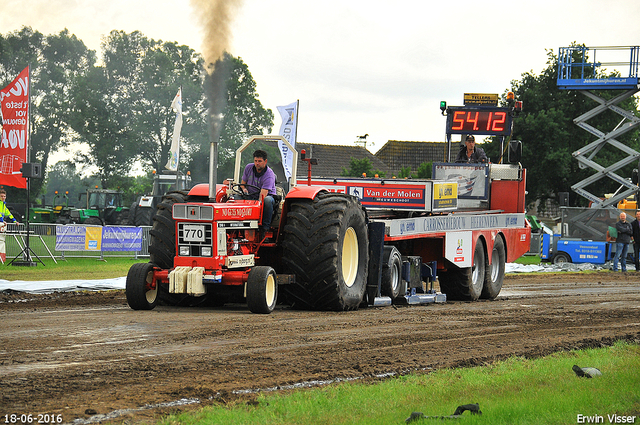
{"points": [[277, 205]]}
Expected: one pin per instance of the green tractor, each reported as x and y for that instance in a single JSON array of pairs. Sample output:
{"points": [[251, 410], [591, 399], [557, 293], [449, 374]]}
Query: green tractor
{"points": [[50, 214], [103, 207]]}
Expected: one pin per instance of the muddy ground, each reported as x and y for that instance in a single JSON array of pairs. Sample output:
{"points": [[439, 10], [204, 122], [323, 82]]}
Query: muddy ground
{"points": [[87, 355]]}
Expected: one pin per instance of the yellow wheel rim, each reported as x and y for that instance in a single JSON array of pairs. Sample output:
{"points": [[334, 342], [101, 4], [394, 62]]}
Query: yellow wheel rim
{"points": [[270, 290], [150, 294], [350, 257]]}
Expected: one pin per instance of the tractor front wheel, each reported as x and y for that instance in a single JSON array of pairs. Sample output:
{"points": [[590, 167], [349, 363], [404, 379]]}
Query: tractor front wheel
{"points": [[262, 290], [141, 290]]}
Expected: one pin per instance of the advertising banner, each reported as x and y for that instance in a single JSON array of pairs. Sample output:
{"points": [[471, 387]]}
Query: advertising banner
{"points": [[70, 238], [472, 179], [121, 238], [93, 238], [14, 101]]}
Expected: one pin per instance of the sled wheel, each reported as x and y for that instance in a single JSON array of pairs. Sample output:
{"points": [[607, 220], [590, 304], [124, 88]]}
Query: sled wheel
{"points": [[262, 290], [141, 290], [465, 284], [392, 284], [495, 272]]}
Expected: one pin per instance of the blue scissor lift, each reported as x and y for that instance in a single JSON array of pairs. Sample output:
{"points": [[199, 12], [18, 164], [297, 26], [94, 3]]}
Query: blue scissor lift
{"points": [[577, 70]]}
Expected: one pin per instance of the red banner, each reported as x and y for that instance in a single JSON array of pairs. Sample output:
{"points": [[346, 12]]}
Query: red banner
{"points": [[15, 119]]}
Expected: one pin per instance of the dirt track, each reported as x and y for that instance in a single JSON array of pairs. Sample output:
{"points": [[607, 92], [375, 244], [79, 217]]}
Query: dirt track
{"points": [[86, 355]]}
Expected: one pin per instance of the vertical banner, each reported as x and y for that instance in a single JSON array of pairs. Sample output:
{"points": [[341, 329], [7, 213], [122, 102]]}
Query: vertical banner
{"points": [[15, 130], [288, 129], [174, 152]]}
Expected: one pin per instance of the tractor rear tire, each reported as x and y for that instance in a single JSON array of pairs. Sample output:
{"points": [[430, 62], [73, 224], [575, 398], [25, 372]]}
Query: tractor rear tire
{"points": [[132, 213], [143, 216], [392, 284], [122, 219], [262, 290], [465, 284], [141, 291], [162, 237], [326, 246], [495, 272]]}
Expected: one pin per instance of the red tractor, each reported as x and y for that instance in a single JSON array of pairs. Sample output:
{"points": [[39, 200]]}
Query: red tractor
{"points": [[209, 251]]}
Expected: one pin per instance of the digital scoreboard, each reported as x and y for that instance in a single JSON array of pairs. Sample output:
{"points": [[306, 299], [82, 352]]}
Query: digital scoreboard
{"points": [[479, 120]]}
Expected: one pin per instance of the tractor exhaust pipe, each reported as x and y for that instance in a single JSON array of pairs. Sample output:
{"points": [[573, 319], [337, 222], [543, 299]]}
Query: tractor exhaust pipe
{"points": [[213, 171]]}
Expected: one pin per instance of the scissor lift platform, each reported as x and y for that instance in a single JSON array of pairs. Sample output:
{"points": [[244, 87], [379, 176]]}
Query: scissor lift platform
{"points": [[578, 70]]}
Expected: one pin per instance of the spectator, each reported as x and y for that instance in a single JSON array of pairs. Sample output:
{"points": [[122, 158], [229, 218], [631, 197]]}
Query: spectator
{"points": [[636, 240], [5, 217], [625, 233]]}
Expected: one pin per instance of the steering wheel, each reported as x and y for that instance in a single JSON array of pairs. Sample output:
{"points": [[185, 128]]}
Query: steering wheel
{"points": [[237, 188]]}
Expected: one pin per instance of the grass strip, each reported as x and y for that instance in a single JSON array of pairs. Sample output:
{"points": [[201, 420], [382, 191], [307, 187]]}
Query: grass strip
{"points": [[515, 391], [70, 269]]}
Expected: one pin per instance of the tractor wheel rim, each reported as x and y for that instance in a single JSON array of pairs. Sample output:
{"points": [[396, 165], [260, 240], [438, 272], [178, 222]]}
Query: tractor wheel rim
{"points": [[350, 257], [395, 277], [270, 290], [475, 276], [152, 291], [495, 265]]}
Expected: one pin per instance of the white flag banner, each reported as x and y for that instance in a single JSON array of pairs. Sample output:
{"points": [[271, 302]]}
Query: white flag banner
{"points": [[174, 153], [289, 114]]}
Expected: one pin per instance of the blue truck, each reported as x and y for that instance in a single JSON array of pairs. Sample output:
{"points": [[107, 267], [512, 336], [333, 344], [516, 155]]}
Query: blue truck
{"points": [[587, 237], [561, 250]]}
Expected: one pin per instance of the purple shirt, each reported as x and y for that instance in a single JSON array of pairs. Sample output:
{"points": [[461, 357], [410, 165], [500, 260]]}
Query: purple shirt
{"points": [[266, 181]]}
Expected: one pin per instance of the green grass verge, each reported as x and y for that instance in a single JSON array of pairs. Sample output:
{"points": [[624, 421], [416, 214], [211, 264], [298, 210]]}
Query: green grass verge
{"points": [[71, 268], [515, 391], [528, 259]]}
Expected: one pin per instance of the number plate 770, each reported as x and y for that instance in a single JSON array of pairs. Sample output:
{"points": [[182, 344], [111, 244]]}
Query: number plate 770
{"points": [[193, 233]]}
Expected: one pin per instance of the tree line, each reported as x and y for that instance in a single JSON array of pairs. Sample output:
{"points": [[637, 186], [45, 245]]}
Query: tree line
{"points": [[119, 105]]}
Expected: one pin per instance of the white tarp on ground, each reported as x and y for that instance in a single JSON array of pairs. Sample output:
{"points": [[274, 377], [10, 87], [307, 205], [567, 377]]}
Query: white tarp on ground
{"points": [[45, 287], [567, 267]]}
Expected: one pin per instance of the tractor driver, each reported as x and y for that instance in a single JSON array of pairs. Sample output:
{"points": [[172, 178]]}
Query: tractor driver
{"points": [[260, 175]]}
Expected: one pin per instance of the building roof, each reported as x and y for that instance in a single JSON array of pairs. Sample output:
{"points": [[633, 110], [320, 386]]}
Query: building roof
{"points": [[333, 158], [400, 154]]}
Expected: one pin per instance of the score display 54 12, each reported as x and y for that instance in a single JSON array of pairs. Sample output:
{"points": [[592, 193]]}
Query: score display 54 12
{"points": [[489, 121]]}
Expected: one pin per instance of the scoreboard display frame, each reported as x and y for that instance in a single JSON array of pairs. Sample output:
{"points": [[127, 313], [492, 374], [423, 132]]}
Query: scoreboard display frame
{"points": [[482, 120]]}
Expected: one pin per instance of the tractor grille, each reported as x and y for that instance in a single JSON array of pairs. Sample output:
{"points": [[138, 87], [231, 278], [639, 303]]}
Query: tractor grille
{"points": [[193, 212], [195, 240]]}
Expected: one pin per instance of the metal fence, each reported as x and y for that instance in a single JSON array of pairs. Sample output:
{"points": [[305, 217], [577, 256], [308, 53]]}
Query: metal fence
{"points": [[43, 243]]}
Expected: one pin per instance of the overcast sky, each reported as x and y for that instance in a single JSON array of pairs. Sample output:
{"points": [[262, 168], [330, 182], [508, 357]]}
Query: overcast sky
{"points": [[361, 66]]}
